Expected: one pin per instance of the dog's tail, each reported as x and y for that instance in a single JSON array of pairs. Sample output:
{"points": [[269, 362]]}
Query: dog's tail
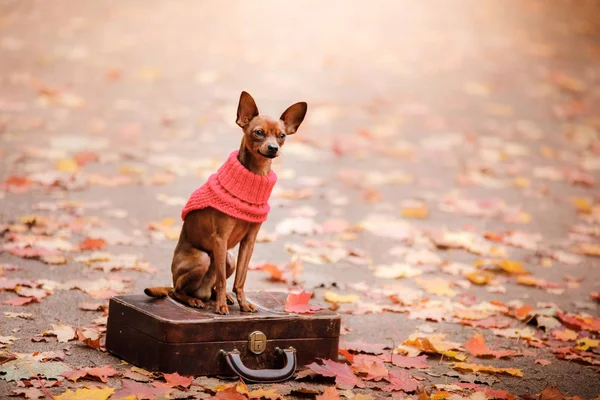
{"points": [[162, 291]]}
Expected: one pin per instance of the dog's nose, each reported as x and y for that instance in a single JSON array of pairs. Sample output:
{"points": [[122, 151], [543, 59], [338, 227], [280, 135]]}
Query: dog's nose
{"points": [[272, 148]]}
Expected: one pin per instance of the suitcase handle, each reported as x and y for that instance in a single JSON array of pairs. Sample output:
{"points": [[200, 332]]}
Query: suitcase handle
{"points": [[262, 375]]}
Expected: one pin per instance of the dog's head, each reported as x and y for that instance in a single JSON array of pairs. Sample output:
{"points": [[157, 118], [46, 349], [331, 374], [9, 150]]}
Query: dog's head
{"points": [[263, 135]]}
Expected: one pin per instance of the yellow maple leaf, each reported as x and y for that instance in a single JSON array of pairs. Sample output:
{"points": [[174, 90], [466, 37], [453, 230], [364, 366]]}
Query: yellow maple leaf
{"points": [[487, 368], [521, 182], [586, 343], [479, 278], [440, 395], [438, 286], [415, 211], [435, 344], [333, 297], [512, 267], [363, 397], [590, 249], [67, 165], [86, 394], [582, 204], [261, 393]]}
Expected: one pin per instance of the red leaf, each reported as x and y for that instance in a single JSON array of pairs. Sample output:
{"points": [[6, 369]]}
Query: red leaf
{"points": [[477, 347], [407, 362], [349, 356], [344, 377], [363, 347], [175, 379], [298, 303], [102, 373], [370, 365], [400, 380], [92, 244], [274, 271], [229, 394], [142, 391], [330, 393], [19, 301], [489, 322]]}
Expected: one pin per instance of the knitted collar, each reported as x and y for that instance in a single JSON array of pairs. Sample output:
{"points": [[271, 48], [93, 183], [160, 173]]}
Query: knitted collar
{"points": [[243, 183]]}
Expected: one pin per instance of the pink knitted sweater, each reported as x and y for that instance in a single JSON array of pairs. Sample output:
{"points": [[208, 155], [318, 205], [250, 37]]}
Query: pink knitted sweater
{"points": [[235, 191]]}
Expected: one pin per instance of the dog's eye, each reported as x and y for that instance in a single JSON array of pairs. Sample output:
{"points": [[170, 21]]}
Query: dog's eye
{"points": [[259, 133], [282, 136]]}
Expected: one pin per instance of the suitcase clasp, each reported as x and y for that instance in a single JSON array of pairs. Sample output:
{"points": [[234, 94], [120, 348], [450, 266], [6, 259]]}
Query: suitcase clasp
{"points": [[257, 342]]}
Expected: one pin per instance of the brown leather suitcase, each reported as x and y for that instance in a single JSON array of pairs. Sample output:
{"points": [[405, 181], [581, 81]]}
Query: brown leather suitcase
{"points": [[267, 346]]}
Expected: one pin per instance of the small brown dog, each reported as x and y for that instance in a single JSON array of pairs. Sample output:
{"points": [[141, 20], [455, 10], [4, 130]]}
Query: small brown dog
{"points": [[228, 210]]}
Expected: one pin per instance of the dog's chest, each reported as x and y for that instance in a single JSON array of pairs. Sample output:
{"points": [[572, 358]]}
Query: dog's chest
{"points": [[239, 232]]}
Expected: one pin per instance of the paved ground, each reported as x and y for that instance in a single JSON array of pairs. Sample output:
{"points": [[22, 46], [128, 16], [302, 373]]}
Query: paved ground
{"points": [[482, 114]]}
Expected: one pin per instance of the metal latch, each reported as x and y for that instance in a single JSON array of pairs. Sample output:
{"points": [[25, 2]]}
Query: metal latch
{"points": [[257, 342]]}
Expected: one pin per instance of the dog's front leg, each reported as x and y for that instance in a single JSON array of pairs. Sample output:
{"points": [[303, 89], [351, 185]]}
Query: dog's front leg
{"points": [[245, 253], [220, 260]]}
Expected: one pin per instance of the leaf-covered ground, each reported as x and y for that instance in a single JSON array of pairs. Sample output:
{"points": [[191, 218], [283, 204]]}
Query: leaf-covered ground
{"points": [[442, 194]]}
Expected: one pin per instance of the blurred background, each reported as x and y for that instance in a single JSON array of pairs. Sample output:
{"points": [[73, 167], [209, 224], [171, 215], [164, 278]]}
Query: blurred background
{"points": [[474, 115]]}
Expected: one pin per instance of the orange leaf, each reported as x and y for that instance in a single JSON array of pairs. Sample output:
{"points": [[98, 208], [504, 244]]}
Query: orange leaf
{"points": [[92, 244], [477, 347], [175, 379], [461, 366], [330, 393]]}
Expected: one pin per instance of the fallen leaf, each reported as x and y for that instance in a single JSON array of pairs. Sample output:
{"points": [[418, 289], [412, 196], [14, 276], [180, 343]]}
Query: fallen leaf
{"points": [[477, 347], [92, 244], [564, 335], [19, 301], [67, 165], [90, 337], [29, 393], [435, 344], [585, 344], [330, 393], [400, 380], [175, 379], [415, 210], [407, 362], [438, 286], [86, 394], [9, 314], [230, 393], [140, 391], [24, 368], [333, 297], [542, 362], [298, 303], [370, 365], [551, 393], [363, 347], [102, 373], [63, 332], [344, 377], [269, 394], [461, 366]]}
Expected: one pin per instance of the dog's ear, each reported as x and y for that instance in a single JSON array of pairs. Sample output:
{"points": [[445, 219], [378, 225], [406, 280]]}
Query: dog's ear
{"points": [[246, 110], [293, 117]]}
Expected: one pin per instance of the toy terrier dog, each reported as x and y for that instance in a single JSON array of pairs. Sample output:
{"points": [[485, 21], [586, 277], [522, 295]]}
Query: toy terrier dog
{"points": [[229, 210]]}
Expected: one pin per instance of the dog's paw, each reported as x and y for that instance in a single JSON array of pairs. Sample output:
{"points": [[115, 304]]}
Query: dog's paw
{"points": [[248, 307], [222, 309], [229, 299], [196, 303]]}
